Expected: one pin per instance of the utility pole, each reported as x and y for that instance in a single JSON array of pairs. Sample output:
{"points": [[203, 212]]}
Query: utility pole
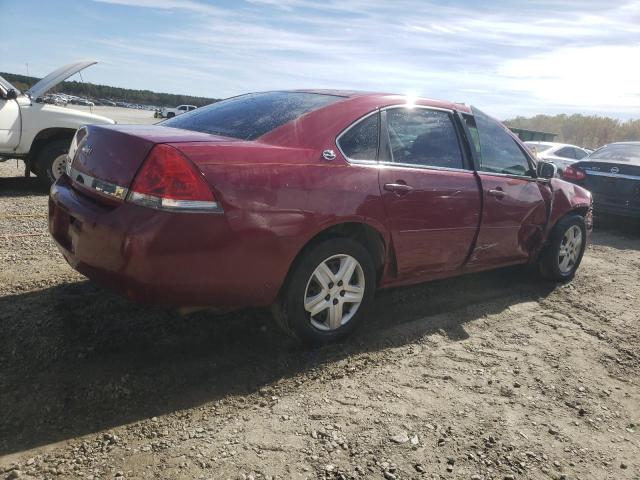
{"points": [[27, 64]]}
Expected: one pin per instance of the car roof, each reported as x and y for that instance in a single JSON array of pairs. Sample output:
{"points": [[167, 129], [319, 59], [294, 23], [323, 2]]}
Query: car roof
{"points": [[384, 98]]}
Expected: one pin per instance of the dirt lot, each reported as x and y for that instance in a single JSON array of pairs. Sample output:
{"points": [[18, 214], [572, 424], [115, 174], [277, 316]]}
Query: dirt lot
{"points": [[119, 114], [494, 375]]}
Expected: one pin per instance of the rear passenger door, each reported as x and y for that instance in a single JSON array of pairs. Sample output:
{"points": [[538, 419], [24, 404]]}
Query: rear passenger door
{"points": [[430, 193], [514, 201]]}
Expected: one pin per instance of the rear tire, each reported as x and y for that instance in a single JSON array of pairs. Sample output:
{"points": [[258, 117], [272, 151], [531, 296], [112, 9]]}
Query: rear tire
{"points": [[50, 162], [561, 257], [328, 292]]}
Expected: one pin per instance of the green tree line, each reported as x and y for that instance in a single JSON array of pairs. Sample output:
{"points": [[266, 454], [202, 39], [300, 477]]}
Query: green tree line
{"points": [[116, 94], [589, 131]]}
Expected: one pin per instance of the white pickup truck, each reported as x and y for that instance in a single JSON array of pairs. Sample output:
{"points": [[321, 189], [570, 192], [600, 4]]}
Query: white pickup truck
{"points": [[40, 133], [174, 112]]}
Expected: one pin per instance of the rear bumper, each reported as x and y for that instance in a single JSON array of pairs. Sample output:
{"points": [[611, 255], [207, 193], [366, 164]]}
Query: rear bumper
{"points": [[179, 259]]}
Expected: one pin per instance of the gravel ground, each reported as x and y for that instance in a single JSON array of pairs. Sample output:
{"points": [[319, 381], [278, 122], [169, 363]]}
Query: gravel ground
{"points": [[493, 375]]}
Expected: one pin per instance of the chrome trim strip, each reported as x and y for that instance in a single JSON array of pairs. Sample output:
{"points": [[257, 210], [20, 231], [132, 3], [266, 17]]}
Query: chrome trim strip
{"points": [[171, 205], [362, 162], [612, 175], [422, 107], [425, 167], [509, 175], [101, 186]]}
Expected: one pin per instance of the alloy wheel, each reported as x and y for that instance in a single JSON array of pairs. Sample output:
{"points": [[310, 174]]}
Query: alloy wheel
{"points": [[334, 292], [570, 248]]}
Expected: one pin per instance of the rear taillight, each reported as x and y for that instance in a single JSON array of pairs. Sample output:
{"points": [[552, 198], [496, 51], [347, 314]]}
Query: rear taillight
{"points": [[573, 173], [170, 181]]}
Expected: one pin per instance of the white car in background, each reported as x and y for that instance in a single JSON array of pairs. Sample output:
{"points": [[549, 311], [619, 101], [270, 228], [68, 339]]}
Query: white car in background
{"points": [[40, 133], [174, 112], [560, 154]]}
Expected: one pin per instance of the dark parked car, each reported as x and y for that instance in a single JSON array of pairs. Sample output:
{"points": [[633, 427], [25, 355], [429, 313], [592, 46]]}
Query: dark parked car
{"points": [[308, 201], [612, 174]]}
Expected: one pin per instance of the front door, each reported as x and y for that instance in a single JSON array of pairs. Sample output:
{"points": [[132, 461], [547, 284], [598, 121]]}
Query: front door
{"points": [[431, 196], [515, 204]]}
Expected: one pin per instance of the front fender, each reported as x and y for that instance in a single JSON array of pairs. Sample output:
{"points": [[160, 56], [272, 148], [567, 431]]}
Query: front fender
{"points": [[566, 198], [39, 117]]}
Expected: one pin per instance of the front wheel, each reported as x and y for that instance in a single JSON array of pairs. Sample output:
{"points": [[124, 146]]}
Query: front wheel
{"points": [[563, 254], [328, 291], [52, 161]]}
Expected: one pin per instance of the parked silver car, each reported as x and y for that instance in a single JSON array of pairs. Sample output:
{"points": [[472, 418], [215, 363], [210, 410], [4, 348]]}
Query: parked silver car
{"points": [[560, 154]]}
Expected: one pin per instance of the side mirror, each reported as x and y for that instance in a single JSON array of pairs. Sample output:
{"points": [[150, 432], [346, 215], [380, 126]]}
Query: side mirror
{"points": [[547, 170], [11, 94]]}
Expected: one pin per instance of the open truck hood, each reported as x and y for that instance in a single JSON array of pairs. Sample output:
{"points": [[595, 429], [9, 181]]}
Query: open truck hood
{"points": [[57, 76]]}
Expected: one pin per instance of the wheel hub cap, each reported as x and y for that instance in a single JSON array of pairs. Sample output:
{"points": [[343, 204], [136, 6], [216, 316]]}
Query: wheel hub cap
{"points": [[58, 166], [570, 248], [334, 292]]}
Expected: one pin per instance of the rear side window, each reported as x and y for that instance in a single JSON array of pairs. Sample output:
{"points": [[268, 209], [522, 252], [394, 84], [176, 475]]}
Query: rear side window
{"points": [[579, 153], [619, 152], [566, 152], [248, 117], [499, 152], [423, 137], [360, 142]]}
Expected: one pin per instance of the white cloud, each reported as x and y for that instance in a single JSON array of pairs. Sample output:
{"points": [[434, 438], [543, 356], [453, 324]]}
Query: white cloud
{"points": [[595, 77], [511, 60]]}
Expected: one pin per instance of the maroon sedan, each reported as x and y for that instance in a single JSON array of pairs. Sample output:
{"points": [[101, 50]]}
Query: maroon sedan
{"points": [[309, 201]]}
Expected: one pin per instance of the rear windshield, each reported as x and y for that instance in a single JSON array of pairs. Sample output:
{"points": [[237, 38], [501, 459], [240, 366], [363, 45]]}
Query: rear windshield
{"points": [[250, 116], [621, 152]]}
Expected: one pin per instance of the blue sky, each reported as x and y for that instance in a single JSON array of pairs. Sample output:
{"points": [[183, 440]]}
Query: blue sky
{"points": [[510, 58]]}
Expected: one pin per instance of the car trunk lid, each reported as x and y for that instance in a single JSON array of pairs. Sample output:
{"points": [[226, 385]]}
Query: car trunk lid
{"points": [[109, 156], [615, 183]]}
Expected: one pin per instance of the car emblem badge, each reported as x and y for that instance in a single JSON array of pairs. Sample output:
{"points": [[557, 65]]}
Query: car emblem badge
{"points": [[87, 149], [615, 169], [329, 155]]}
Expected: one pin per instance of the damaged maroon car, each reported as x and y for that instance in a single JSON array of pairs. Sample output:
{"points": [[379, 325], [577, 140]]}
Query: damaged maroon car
{"points": [[309, 201]]}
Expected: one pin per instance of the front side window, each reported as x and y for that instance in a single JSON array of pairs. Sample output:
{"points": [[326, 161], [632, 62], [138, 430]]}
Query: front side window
{"points": [[250, 116], [423, 137], [499, 152]]}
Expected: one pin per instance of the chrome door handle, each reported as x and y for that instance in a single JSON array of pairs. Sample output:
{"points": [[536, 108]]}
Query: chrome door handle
{"points": [[498, 193], [398, 187]]}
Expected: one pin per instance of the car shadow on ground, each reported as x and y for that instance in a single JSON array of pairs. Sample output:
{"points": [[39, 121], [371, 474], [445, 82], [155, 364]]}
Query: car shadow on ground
{"points": [[22, 187], [616, 232], [77, 359]]}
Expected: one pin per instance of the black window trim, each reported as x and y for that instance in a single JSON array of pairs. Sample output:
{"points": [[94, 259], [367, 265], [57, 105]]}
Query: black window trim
{"points": [[468, 167], [354, 124]]}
